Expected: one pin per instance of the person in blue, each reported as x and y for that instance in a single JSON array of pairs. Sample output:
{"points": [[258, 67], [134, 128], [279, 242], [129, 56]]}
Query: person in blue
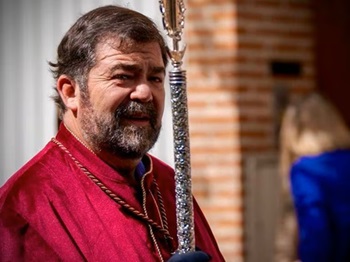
{"points": [[316, 149]]}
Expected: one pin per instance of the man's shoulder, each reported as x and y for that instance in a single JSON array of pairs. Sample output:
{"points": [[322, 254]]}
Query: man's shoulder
{"points": [[160, 164], [162, 171], [32, 175]]}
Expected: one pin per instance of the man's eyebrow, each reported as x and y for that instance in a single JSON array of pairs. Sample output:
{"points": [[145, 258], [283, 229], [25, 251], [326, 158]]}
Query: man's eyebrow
{"points": [[127, 67], [136, 68], [158, 69]]}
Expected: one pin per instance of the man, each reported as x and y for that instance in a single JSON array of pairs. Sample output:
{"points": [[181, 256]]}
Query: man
{"points": [[93, 193]]}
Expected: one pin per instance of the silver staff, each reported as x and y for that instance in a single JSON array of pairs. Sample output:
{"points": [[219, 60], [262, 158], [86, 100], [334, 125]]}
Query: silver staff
{"points": [[173, 21]]}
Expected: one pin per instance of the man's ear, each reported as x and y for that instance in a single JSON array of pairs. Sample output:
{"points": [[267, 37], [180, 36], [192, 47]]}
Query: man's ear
{"points": [[69, 92]]}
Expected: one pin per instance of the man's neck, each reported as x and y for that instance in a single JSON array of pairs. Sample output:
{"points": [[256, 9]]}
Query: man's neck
{"points": [[126, 167]]}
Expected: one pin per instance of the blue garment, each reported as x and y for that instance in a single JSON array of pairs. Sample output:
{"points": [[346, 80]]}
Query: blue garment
{"points": [[140, 170], [321, 192]]}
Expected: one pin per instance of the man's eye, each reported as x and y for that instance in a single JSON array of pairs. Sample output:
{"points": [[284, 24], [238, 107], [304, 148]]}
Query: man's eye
{"points": [[122, 77], [156, 79]]}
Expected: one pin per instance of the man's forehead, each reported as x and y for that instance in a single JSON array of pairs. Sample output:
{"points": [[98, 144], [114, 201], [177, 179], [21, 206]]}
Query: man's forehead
{"points": [[135, 56], [125, 46]]}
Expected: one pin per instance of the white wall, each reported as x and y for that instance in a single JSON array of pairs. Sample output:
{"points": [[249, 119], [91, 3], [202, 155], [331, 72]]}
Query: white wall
{"points": [[30, 32]]}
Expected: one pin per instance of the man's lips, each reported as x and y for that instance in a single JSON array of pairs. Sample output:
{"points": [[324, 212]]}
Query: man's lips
{"points": [[137, 119]]}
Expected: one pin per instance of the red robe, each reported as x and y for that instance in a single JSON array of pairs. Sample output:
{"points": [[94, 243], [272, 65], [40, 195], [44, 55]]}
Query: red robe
{"points": [[50, 210]]}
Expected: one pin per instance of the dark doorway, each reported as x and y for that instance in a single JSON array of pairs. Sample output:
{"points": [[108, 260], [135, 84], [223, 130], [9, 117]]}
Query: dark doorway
{"points": [[333, 52]]}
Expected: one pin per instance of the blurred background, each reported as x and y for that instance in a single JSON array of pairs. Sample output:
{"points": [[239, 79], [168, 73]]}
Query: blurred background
{"points": [[245, 61]]}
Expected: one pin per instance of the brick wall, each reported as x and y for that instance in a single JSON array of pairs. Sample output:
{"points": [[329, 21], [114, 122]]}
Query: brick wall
{"points": [[231, 95]]}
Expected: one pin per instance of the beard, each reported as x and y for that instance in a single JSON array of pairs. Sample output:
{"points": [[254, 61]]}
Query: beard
{"points": [[108, 132]]}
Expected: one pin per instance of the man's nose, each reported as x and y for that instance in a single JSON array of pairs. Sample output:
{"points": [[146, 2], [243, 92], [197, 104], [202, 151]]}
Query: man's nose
{"points": [[142, 93]]}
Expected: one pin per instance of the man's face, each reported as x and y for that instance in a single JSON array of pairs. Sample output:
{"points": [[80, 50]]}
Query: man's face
{"points": [[123, 110]]}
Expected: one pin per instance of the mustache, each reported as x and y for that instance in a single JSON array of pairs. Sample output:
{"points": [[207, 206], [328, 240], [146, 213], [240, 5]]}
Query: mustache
{"points": [[131, 108]]}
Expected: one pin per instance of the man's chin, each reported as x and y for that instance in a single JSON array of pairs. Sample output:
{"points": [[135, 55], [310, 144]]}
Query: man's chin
{"points": [[129, 154], [130, 148]]}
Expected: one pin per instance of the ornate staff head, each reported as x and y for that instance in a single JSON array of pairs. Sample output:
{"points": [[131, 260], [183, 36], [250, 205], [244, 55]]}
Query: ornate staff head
{"points": [[173, 21]]}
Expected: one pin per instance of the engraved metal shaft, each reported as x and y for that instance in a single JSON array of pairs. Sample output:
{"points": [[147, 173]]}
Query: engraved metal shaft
{"points": [[173, 21]]}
